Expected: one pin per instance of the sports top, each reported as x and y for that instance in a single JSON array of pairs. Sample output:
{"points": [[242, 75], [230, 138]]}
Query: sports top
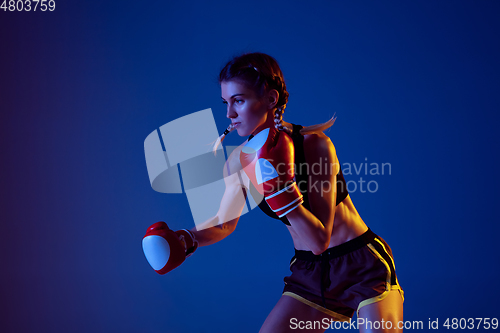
{"points": [[301, 177]]}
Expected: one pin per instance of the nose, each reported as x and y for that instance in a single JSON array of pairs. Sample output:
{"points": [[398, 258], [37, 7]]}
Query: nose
{"points": [[230, 112]]}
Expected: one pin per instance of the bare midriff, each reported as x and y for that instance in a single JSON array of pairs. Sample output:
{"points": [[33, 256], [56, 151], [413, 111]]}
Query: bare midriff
{"points": [[347, 225]]}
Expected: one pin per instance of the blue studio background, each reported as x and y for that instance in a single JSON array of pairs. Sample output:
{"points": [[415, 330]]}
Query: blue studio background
{"points": [[414, 84]]}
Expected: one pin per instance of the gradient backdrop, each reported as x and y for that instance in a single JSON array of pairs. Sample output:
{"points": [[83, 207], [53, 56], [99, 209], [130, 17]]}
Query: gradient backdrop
{"points": [[414, 84]]}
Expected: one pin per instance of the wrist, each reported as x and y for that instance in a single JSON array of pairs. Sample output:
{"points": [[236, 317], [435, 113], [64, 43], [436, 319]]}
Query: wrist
{"points": [[286, 200], [188, 240]]}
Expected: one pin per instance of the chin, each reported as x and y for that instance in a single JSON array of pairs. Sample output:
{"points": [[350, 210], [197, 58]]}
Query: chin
{"points": [[241, 132]]}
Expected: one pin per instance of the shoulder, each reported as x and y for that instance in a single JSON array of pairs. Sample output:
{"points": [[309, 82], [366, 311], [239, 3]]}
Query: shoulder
{"points": [[319, 150], [319, 144]]}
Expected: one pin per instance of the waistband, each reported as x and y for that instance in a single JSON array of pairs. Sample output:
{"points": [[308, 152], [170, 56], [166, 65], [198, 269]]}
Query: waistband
{"points": [[339, 250]]}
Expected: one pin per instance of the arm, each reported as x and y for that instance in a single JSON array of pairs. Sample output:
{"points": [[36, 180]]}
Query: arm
{"points": [[315, 226], [166, 249], [232, 203]]}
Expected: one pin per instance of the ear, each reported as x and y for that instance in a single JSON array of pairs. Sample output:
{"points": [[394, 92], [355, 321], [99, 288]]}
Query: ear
{"points": [[272, 98]]}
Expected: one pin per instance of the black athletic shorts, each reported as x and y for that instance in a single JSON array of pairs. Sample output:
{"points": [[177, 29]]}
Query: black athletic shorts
{"points": [[344, 278]]}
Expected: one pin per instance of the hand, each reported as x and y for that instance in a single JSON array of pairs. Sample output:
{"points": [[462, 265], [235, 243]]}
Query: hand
{"points": [[165, 249]]}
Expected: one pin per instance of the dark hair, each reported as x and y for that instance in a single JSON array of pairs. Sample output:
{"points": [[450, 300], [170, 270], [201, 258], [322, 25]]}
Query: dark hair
{"points": [[259, 72]]}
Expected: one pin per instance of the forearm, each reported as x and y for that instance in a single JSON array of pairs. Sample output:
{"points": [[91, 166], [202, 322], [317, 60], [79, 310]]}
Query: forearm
{"points": [[221, 225], [211, 232], [311, 230]]}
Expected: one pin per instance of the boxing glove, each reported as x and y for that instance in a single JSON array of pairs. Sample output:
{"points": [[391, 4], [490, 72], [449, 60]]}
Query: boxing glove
{"points": [[268, 161], [165, 249]]}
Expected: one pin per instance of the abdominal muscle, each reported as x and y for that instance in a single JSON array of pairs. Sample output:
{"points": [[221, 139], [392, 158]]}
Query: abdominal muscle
{"points": [[347, 225]]}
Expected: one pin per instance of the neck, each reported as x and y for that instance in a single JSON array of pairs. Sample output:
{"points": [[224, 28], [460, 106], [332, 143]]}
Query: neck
{"points": [[268, 123]]}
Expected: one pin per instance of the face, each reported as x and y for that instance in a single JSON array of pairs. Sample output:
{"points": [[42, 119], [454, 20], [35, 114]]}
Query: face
{"points": [[245, 109]]}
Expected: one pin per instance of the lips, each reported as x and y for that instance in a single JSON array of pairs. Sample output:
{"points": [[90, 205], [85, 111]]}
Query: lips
{"points": [[236, 124]]}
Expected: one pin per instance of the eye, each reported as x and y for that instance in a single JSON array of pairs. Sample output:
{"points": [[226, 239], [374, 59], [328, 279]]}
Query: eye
{"points": [[239, 101], [224, 102]]}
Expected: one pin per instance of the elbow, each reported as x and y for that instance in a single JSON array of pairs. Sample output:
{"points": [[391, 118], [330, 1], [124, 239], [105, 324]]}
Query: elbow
{"points": [[319, 250], [317, 253], [321, 246], [229, 227]]}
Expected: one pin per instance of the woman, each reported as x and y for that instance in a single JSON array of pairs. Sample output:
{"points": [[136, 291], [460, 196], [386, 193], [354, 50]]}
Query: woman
{"points": [[339, 265]]}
